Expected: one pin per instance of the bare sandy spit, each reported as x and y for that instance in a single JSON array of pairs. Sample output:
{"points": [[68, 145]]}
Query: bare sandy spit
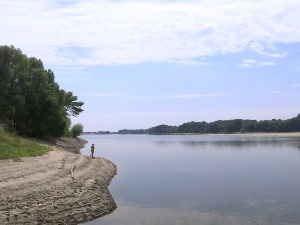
{"points": [[43, 189]]}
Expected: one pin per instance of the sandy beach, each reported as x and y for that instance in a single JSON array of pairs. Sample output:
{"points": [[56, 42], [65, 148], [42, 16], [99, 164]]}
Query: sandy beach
{"points": [[43, 189]]}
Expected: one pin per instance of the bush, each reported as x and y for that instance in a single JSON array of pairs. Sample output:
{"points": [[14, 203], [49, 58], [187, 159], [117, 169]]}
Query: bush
{"points": [[2, 131], [76, 129]]}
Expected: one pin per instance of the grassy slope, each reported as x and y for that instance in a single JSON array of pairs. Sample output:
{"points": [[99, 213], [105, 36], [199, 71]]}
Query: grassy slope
{"points": [[15, 147]]}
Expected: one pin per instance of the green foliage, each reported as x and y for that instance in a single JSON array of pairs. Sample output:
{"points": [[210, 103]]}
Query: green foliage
{"points": [[31, 102], [2, 131], [192, 127], [224, 126], [67, 132], [76, 129], [163, 129], [14, 147], [126, 131], [71, 105]]}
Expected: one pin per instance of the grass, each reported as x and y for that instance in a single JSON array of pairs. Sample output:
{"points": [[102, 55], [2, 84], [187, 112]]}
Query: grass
{"points": [[15, 147]]}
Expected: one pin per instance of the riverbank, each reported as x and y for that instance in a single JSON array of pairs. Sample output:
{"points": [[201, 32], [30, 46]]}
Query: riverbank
{"points": [[61, 187]]}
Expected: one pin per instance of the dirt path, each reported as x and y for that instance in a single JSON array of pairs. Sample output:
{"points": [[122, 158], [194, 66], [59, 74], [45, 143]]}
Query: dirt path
{"points": [[41, 190]]}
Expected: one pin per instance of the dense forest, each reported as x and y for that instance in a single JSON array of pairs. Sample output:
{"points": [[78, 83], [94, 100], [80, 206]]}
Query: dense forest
{"points": [[31, 102], [223, 127]]}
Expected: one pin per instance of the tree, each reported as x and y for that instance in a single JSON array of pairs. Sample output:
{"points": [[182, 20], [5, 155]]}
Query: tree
{"points": [[163, 129], [30, 100], [76, 129], [70, 104], [212, 128], [13, 72], [192, 127]]}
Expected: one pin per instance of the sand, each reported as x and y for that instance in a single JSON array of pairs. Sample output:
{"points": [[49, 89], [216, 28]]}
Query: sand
{"points": [[43, 189]]}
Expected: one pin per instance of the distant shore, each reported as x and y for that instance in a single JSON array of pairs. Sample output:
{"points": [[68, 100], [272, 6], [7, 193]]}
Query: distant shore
{"points": [[249, 134], [45, 190], [237, 133]]}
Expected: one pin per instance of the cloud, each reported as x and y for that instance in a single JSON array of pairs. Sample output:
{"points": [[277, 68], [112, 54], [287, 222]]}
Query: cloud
{"points": [[127, 32], [261, 49], [104, 95], [189, 62], [253, 63], [188, 96], [276, 92], [296, 85]]}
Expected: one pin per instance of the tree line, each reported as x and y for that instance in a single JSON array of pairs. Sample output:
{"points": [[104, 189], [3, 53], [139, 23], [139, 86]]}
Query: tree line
{"points": [[31, 102], [223, 127]]}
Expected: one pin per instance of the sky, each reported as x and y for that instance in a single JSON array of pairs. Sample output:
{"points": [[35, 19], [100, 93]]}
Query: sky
{"points": [[139, 64]]}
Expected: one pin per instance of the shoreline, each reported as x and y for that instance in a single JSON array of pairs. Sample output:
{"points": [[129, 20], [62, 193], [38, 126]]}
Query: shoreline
{"points": [[44, 190], [207, 134], [248, 134]]}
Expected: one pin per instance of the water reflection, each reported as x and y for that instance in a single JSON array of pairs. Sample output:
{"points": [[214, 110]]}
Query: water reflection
{"points": [[136, 215], [237, 142], [202, 179]]}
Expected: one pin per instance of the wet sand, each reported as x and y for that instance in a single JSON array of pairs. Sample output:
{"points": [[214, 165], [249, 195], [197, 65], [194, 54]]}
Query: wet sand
{"points": [[43, 189]]}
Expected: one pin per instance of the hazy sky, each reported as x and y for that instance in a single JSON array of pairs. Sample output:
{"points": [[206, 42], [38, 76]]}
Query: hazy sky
{"points": [[138, 64]]}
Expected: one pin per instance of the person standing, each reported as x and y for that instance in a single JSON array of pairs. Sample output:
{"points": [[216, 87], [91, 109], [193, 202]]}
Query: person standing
{"points": [[92, 151]]}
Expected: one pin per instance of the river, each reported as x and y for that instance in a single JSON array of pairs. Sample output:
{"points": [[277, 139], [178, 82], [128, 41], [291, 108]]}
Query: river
{"points": [[202, 179]]}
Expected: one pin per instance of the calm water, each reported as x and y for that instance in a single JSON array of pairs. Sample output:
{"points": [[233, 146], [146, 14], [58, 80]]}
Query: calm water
{"points": [[202, 179]]}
